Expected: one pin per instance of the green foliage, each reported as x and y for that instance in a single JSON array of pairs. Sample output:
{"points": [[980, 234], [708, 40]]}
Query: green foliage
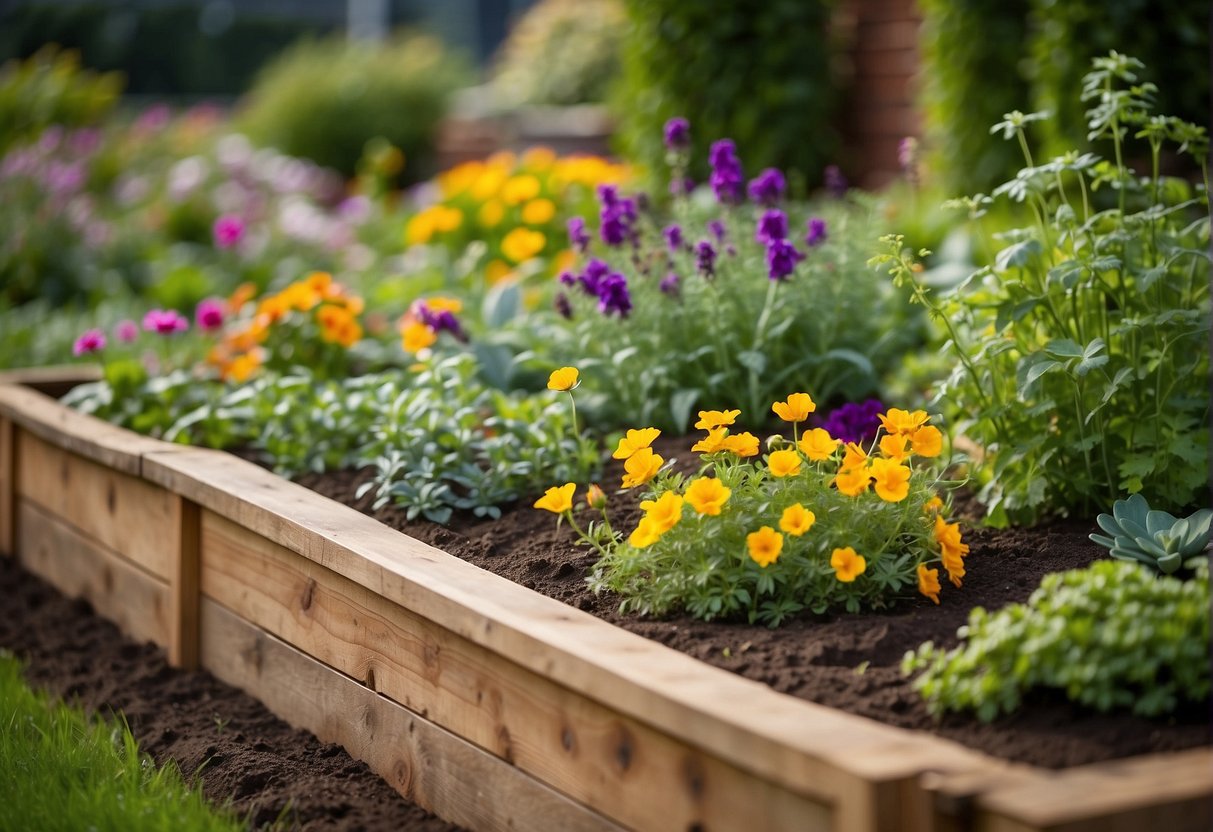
{"points": [[1112, 636], [1083, 349], [582, 38], [354, 92], [778, 103], [65, 771], [50, 88], [971, 53], [1154, 538]]}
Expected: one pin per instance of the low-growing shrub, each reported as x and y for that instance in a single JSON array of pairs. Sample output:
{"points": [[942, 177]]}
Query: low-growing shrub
{"points": [[50, 88], [1112, 636]]}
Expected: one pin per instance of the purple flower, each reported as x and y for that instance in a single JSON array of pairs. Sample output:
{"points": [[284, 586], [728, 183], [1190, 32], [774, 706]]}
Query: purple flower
{"points": [[613, 295], [835, 182], [669, 284], [567, 279], [768, 187], [705, 258], [563, 306], [579, 238], [681, 187], [907, 153], [90, 341], [773, 225], [164, 322], [591, 279], [210, 314], [817, 232], [228, 230], [617, 215], [673, 236], [782, 258], [677, 133], [440, 321], [727, 177], [126, 331], [854, 421], [716, 228]]}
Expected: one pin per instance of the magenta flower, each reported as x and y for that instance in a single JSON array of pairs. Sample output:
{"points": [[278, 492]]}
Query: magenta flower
{"points": [[126, 331], [210, 314], [228, 231], [90, 341], [164, 322]]}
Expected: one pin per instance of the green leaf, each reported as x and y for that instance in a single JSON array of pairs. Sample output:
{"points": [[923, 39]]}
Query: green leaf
{"points": [[682, 402], [1017, 255], [1064, 348]]}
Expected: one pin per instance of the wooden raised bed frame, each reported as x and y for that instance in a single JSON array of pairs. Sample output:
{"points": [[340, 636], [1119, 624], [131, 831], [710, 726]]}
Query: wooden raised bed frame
{"points": [[487, 703]]}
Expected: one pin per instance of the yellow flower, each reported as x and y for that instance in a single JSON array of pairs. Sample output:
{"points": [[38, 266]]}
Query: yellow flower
{"points": [[496, 271], [558, 499], [764, 545], [641, 467], [743, 444], [488, 183], [953, 550], [416, 336], [522, 244], [300, 295], [447, 218], [796, 520], [595, 497], [927, 441], [933, 505], [892, 480], [928, 582], [707, 495], [518, 189], [490, 214], [853, 481], [338, 326], [664, 512], [243, 294], [645, 534], [420, 229], [784, 463], [634, 441], [711, 443], [242, 367], [817, 444], [538, 211], [444, 304], [539, 158], [902, 421], [712, 419], [893, 445], [854, 457], [564, 379], [320, 282], [796, 409], [847, 565]]}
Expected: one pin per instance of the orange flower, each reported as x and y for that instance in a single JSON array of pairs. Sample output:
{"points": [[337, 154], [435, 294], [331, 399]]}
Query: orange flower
{"points": [[712, 419], [595, 497], [847, 565], [711, 443], [707, 495], [416, 336], [320, 282], [558, 499], [743, 444], [784, 463], [796, 409], [927, 441], [933, 505], [634, 441], [299, 295], [817, 444], [902, 421], [893, 445], [243, 294], [564, 379], [337, 326], [645, 534], [928, 582], [953, 550], [796, 520], [664, 512], [892, 480], [641, 467], [764, 546], [853, 481]]}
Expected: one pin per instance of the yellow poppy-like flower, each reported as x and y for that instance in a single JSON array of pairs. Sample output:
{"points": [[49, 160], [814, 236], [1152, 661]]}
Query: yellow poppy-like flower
{"points": [[743, 444], [645, 534], [538, 211], [796, 520], [338, 326], [712, 419], [564, 379], [853, 481], [712, 443], [522, 244], [892, 480], [847, 565], [539, 158], [893, 445], [447, 218], [933, 505], [491, 178], [634, 440], [440, 303], [497, 271], [952, 549], [897, 420], [664, 512], [928, 582], [927, 441], [420, 229], [595, 497], [558, 499], [817, 444], [854, 456], [641, 467], [785, 463], [299, 295], [796, 409], [707, 495], [764, 545], [416, 336], [518, 189], [490, 214]]}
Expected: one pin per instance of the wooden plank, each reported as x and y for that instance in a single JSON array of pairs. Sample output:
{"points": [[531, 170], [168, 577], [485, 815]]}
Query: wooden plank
{"points": [[629, 771], [184, 588], [8, 493], [427, 764], [92, 438], [81, 568], [118, 510], [850, 761], [54, 381]]}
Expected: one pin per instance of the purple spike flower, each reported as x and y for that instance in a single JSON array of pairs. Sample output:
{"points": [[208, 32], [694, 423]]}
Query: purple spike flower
{"points": [[705, 258], [613, 295], [727, 179], [835, 182], [677, 134], [669, 284], [563, 306], [579, 237], [773, 225], [817, 232], [673, 237], [440, 321], [768, 187], [716, 227], [782, 258], [617, 215]]}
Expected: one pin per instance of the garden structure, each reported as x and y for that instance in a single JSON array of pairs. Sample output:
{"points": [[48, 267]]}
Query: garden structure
{"points": [[483, 701]]}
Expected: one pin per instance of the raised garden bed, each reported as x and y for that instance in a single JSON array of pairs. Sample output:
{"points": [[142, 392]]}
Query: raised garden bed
{"points": [[483, 701]]}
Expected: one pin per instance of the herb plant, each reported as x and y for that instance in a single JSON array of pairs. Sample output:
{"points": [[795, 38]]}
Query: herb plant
{"points": [[1083, 354], [1112, 636]]}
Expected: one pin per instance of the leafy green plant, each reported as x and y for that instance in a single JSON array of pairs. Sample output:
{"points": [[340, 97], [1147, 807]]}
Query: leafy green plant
{"points": [[1112, 636], [1154, 538], [50, 88], [1083, 356]]}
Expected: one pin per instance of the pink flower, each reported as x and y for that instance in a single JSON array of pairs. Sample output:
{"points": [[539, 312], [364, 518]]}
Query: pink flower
{"points": [[165, 322], [126, 331], [228, 231], [210, 314], [92, 340]]}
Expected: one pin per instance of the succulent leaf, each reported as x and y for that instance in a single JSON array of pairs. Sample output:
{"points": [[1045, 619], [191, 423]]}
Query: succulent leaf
{"points": [[1159, 521]]}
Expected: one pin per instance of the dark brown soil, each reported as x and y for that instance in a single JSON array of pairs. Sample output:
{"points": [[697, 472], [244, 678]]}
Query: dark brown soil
{"points": [[243, 753], [849, 662]]}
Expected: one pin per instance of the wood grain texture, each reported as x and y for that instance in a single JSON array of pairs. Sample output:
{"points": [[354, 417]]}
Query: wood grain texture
{"points": [[120, 511], [82, 568], [626, 770], [428, 765], [8, 492], [53, 381], [184, 589]]}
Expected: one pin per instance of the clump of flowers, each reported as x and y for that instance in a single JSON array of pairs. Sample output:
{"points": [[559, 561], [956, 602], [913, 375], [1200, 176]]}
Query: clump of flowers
{"points": [[813, 523]]}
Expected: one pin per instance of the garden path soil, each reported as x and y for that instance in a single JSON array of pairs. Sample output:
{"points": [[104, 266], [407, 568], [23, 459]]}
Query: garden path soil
{"points": [[267, 769], [849, 662]]}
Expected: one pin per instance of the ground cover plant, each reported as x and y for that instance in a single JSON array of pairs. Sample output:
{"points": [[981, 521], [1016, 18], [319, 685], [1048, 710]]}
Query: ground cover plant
{"points": [[64, 770]]}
